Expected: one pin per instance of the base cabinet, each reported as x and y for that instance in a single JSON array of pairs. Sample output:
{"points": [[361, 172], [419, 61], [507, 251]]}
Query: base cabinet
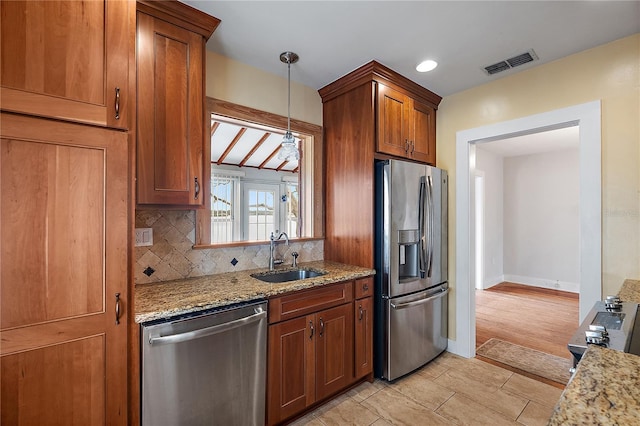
{"points": [[363, 328], [315, 354]]}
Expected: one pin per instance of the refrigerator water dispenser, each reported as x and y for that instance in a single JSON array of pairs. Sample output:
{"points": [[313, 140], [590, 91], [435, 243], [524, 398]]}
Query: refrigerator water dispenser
{"points": [[409, 249]]}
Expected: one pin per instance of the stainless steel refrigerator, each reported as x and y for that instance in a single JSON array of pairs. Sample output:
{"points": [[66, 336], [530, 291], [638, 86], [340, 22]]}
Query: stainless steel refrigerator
{"points": [[411, 266]]}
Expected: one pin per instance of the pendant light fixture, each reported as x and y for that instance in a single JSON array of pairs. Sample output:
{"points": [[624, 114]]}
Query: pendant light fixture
{"points": [[288, 149]]}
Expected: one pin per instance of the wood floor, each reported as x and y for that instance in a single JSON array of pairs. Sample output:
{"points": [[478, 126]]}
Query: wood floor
{"points": [[533, 317]]}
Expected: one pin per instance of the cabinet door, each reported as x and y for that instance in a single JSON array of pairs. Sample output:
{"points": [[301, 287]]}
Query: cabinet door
{"points": [[422, 132], [392, 123], [170, 114], [63, 259], [363, 318], [291, 368], [66, 59], [334, 350]]}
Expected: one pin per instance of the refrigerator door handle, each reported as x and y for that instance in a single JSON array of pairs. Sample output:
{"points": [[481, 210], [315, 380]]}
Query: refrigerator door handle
{"points": [[430, 245], [442, 293], [421, 226]]}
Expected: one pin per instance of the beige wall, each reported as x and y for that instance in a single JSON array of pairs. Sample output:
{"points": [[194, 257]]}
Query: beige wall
{"points": [[610, 73], [242, 84]]}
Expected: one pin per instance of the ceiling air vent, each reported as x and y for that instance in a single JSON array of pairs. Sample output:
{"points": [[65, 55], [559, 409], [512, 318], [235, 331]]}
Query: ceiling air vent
{"points": [[513, 62]]}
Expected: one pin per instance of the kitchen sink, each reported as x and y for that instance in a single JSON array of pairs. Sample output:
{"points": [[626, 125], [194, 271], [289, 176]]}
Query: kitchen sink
{"points": [[285, 276]]}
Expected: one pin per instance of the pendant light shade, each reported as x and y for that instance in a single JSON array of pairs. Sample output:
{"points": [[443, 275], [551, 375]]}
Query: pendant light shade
{"points": [[288, 149]]}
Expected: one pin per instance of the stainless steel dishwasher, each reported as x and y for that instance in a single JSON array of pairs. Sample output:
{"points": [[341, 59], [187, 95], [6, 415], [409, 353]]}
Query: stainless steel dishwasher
{"points": [[207, 368]]}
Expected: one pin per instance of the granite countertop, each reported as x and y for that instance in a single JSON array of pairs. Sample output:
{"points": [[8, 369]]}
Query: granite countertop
{"points": [[604, 391], [630, 291], [170, 298]]}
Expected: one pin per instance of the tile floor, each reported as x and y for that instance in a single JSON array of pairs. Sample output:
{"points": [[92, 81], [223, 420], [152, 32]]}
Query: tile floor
{"points": [[450, 390]]}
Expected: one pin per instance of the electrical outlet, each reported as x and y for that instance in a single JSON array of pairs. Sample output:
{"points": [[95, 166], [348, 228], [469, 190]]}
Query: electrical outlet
{"points": [[144, 237]]}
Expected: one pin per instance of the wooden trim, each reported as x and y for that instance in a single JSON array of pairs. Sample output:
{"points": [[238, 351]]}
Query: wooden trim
{"points": [[180, 14], [378, 72], [229, 109]]}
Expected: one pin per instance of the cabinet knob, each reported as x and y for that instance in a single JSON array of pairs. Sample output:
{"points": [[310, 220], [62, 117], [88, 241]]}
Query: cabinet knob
{"points": [[365, 287]]}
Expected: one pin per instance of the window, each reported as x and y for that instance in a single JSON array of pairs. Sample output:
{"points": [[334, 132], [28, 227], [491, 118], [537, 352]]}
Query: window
{"points": [[261, 212], [244, 144], [223, 207]]}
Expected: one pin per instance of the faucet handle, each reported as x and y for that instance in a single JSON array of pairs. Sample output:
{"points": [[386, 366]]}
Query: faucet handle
{"points": [[295, 259]]}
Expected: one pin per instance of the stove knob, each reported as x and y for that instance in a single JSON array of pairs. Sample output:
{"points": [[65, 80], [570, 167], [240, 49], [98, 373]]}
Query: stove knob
{"points": [[595, 337], [599, 328], [612, 303]]}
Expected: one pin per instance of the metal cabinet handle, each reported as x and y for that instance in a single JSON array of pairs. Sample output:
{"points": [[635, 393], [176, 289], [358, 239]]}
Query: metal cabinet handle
{"points": [[406, 145], [365, 287], [117, 103], [197, 188], [321, 327], [117, 308], [413, 146], [312, 329], [361, 313]]}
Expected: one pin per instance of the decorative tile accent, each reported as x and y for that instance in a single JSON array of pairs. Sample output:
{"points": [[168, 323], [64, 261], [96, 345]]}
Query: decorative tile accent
{"points": [[172, 255]]}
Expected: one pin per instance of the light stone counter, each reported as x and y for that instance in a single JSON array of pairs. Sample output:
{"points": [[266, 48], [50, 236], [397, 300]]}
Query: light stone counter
{"points": [[604, 391], [630, 291], [170, 298]]}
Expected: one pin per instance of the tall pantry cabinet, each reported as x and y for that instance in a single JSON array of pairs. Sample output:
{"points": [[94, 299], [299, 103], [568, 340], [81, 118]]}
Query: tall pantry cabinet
{"points": [[371, 113], [64, 209]]}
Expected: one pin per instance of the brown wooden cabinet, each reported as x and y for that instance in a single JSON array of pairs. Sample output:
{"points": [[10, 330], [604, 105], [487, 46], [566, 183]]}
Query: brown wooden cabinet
{"points": [[363, 327], [311, 349], [67, 60], [372, 112], [171, 122], [63, 266], [405, 126]]}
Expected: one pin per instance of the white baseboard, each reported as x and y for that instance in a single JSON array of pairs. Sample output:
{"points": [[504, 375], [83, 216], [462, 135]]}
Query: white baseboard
{"points": [[490, 282], [544, 283]]}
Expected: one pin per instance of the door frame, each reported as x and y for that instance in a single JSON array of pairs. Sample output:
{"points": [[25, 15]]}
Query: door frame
{"points": [[588, 117]]}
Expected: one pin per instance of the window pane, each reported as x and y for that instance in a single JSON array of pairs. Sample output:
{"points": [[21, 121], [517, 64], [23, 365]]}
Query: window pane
{"points": [[222, 208], [261, 214]]}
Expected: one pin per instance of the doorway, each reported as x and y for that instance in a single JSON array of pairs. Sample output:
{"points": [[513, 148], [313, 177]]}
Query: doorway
{"points": [[587, 117]]}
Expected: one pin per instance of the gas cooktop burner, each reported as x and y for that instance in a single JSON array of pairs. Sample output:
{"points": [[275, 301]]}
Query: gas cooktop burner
{"points": [[610, 323]]}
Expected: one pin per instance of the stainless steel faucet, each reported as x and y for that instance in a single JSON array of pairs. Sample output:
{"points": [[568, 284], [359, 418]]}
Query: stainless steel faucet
{"points": [[272, 245]]}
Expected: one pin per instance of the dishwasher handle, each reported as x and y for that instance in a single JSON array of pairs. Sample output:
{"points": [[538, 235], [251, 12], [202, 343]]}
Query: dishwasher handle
{"points": [[208, 331], [421, 301]]}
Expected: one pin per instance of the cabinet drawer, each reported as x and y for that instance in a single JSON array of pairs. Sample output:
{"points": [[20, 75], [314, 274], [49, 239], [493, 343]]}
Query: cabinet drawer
{"points": [[308, 301], [364, 287]]}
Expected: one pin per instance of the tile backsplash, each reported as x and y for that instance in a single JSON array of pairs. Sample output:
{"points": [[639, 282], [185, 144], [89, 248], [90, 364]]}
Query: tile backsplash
{"points": [[172, 255]]}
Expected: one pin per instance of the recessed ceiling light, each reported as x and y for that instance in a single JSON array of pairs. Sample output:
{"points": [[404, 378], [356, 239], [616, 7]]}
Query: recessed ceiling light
{"points": [[427, 65]]}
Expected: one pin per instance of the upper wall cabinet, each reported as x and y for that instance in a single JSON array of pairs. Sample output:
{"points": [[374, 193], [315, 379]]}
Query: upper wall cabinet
{"points": [[171, 123], [405, 126], [66, 59]]}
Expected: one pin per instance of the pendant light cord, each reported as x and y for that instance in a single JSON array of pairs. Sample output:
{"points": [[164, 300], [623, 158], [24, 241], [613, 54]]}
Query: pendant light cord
{"points": [[289, 97]]}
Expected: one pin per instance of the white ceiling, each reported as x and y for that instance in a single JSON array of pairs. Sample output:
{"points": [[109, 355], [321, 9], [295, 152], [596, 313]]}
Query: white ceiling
{"points": [[535, 143], [333, 38]]}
